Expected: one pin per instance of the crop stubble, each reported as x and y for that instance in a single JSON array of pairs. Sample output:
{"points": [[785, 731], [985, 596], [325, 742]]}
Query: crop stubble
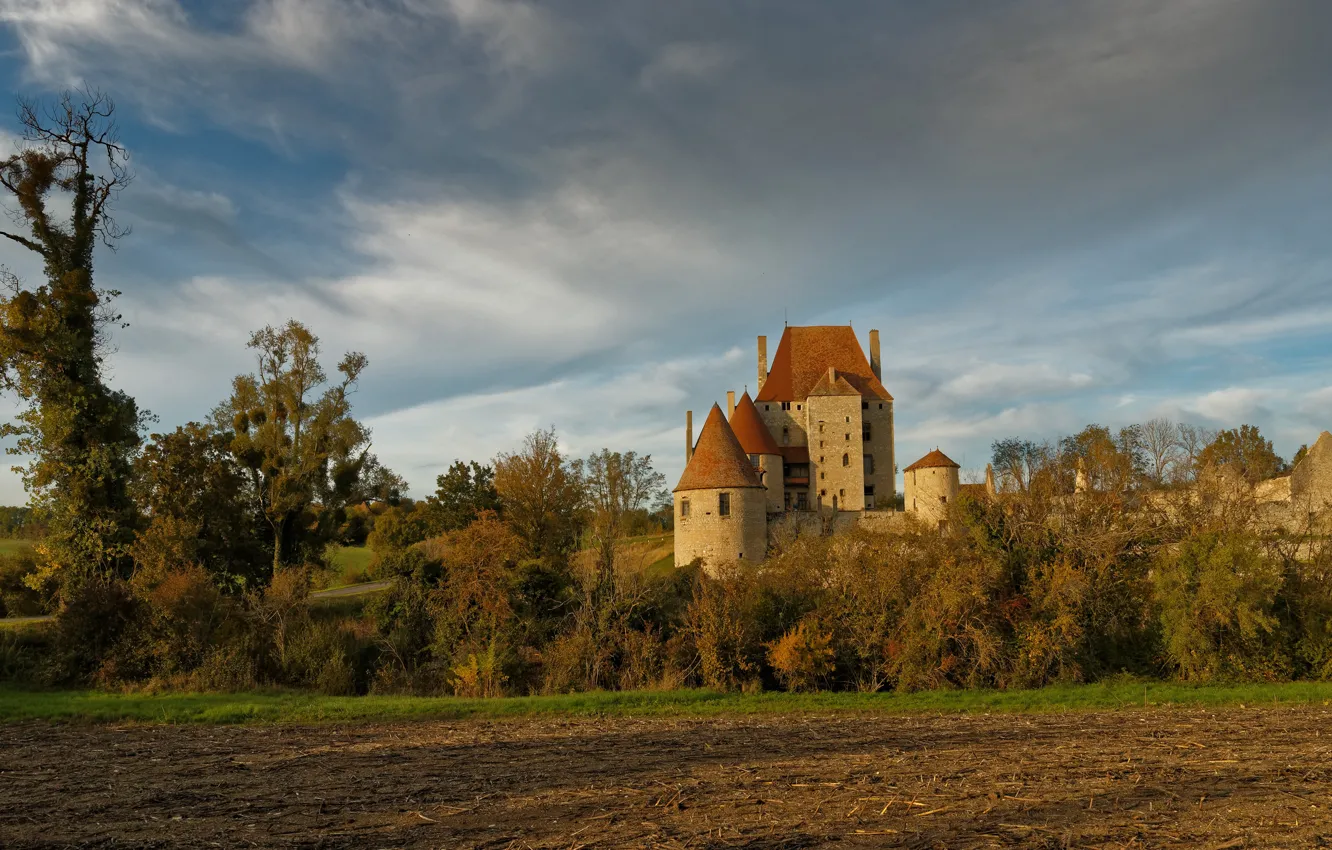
{"points": [[1223, 778]]}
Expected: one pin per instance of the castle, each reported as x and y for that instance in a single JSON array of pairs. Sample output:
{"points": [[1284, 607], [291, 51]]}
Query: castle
{"points": [[816, 441]]}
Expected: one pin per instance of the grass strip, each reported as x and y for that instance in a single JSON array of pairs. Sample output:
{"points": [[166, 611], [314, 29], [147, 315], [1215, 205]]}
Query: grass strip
{"points": [[299, 707]]}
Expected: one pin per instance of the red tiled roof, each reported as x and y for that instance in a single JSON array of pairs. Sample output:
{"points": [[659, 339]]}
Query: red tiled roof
{"points": [[795, 454], [803, 357], [718, 459], [934, 459], [754, 436]]}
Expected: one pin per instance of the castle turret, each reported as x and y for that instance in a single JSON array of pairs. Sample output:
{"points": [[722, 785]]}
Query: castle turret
{"points": [[764, 453], [720, 502], [931, 486]]}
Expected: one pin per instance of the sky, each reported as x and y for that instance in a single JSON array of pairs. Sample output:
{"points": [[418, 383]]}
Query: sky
{"points": [[581, 214]]}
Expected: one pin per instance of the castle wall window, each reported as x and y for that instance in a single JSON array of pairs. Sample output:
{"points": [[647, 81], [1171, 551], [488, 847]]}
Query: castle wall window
{"points": [[786, 405], [865, 431], [822, 475], [754, 460], [820, 427], [684, 508], [847, 438], [842, 493], [724, 504], [864, 405], [786, 435], [846, 460], [869, 464], [848, 419], [881, 406], [943, 500]]}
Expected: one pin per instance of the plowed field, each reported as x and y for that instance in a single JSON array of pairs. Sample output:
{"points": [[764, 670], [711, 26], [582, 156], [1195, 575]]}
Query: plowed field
{"points": [[1160, 778]]}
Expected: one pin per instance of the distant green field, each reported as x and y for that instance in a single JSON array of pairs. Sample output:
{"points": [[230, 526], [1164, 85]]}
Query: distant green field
{"points": [[290, 707], [349, 564], [10, 545]]}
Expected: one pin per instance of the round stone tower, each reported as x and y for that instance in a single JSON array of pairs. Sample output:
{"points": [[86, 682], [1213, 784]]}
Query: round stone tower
{"points": [[720, 503], [931, 486], [764, 453]]}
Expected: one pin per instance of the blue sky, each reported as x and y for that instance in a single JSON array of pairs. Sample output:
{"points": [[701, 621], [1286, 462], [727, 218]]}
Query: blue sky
{"points": [[581, 214]]}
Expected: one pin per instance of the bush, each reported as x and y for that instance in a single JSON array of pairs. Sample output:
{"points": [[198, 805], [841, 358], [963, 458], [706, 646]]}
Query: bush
{"points": [[802, 658]]}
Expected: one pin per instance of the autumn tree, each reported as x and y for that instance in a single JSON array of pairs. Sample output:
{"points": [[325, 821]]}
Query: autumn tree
{"points": [[1191, 440], [292, 430], [1245, 451], [80, 435], [542, 495]]}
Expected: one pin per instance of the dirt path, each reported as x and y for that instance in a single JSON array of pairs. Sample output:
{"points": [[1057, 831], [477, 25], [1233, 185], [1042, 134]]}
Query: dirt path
{"points": [[1174, 778]]}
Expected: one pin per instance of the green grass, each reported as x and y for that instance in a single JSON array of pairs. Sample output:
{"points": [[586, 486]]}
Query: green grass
{"points": [[13, 545], [291, 707], [348, 565]]}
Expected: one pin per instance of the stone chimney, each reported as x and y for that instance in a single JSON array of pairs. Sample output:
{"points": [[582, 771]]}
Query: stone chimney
{"points": [[876, 362], [989, 478], [689, 435], [730, 404], [762, 362]]}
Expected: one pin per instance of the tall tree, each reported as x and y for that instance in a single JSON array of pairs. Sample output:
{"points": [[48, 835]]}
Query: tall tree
{"points": [[1191, 439], [294, 432], [80, 435], [1015, 460], [542, 495], [616, 486]]}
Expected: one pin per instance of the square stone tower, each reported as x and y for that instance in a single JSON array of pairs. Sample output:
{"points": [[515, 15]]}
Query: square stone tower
{"points": [[825, 405]]}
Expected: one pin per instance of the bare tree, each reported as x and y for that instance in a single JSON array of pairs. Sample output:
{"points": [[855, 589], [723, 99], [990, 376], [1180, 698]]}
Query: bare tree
{"points": [[1191, 440], [1160, 441]]}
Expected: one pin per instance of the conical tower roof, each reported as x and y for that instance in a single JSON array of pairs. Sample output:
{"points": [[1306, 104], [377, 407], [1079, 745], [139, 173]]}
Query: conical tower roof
{"points": [[934, 459], [718, 460], [754, 436]]}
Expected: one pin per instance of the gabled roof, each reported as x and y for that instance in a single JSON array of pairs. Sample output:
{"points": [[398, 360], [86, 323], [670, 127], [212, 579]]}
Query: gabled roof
{"points": [[718, 460], [754, 436], [833, 383], [803, 357], [932, 460]]}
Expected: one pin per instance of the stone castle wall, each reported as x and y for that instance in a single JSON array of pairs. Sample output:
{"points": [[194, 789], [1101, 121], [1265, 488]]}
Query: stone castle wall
{"points": [[771, 467], [717, 539], [879, 416], [836, 452]]}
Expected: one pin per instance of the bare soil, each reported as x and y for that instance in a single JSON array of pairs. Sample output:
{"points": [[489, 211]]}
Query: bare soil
{"points": [[1162, 778]]}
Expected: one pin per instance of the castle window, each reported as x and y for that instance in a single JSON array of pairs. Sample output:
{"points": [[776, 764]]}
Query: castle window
{"points": [[869, 464], [820, 444], [823, 493], [786, 435], [684, 508], [847, 438], [797, 407], [767, 407], [848, 419], [754, 459], [869, 491], [943, 500], [846, 460], [842, 493], [786, 405], [820, 456], [864, 405], [881, 406], [865, 431], [724, 504], [820, 427]]}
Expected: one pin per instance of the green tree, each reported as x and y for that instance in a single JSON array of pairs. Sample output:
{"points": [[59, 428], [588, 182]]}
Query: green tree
{"points": [[1245, 451], [1016, 460], [81, 436], [461, 494], [294, 434], [187, 483]]}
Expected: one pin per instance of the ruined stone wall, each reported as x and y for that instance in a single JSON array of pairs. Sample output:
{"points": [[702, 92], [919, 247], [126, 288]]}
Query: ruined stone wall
{"points": [[1311, 480], [717, 539], [836, 452], [929, 492]]}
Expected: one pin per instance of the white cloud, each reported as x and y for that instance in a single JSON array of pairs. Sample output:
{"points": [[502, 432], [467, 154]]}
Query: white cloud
{"points": [[685, 62]]}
